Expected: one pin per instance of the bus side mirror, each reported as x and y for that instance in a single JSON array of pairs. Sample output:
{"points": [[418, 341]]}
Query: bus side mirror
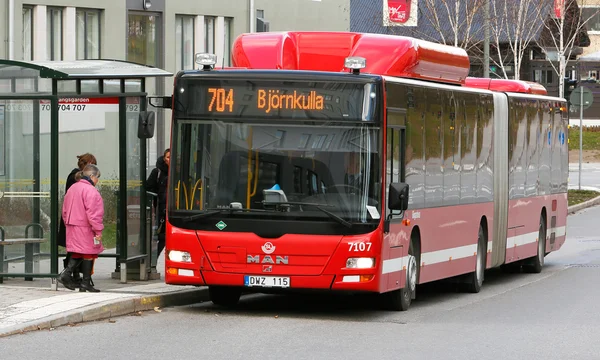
{"points": [[161, 102], [398, 196], [146, 125]]}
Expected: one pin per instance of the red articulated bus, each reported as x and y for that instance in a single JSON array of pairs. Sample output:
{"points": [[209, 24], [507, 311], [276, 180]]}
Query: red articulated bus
{"points": [[358, 162]]}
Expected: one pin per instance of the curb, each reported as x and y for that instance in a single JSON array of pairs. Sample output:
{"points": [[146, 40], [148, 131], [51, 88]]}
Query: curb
{"points": [[109, 309], [586, 204]]}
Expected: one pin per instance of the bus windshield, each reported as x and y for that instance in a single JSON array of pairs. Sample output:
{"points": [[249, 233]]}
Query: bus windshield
{"points": [[319, 171]]}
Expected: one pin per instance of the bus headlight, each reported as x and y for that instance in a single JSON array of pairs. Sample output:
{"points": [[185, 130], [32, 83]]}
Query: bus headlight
{"points": [[360, 263], [180, 256]]}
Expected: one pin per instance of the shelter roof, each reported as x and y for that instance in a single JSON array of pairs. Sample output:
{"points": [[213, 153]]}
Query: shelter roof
{"points": [[78, 69]]}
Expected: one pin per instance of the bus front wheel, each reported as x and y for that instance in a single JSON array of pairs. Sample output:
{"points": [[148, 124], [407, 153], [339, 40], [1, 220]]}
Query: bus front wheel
{"points": [[399, 300], [224, 295]]}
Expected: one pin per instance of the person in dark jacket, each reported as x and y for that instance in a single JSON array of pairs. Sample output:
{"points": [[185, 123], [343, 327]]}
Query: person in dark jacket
{"points": [[157, 183], [82, 161]]}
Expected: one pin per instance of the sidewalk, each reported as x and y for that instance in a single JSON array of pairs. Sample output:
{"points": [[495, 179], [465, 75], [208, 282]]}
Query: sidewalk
{"points": [[32, 305]]}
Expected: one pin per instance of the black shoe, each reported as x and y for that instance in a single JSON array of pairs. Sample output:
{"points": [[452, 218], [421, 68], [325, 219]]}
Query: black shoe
{"points": [[87, 283], [65, 277]]}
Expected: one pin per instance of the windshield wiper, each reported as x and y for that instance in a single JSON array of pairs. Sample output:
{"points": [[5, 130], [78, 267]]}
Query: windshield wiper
{"points": [[318, 206], [201, 215], [213, 212], [291, 203]]}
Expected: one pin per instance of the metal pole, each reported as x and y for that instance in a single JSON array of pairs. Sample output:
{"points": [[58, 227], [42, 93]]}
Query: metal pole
{"points": [[486, 41], [54, 163], [251, 16], [580, 132]]}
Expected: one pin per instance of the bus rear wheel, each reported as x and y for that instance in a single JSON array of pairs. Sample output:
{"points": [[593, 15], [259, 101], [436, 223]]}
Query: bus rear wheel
{"points": [[224, 295], [475, 279], [536, 264], [399, 300]]}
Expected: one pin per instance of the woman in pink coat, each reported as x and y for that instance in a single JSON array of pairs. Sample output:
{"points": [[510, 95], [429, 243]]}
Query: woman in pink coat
{"points": [[83, 211]]}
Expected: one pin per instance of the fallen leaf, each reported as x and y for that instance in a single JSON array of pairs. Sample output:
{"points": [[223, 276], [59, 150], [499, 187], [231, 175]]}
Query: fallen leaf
{"points": [[157, 309]]}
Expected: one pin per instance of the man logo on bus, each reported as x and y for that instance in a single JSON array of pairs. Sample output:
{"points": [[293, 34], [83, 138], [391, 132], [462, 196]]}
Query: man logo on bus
{"points": [[268, 248]]}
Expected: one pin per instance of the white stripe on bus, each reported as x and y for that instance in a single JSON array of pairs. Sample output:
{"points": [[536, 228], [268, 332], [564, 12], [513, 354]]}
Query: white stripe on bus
{"points": [[393, 265], [440, 256]]}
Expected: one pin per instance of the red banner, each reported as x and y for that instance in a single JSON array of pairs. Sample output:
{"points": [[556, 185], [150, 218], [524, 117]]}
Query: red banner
{"points": [[400, 12], [559, 8]]}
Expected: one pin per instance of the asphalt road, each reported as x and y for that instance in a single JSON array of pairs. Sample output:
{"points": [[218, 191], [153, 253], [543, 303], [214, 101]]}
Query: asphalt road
{"points": [[552, 315], [590, 176]]}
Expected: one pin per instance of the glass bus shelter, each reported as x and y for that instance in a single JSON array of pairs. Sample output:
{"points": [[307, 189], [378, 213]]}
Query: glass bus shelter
{"points": [[50, 112]]}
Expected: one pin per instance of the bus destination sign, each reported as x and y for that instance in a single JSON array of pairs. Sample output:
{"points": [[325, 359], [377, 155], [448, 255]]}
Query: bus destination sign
{"points": [[270, 99], [222, 100]]}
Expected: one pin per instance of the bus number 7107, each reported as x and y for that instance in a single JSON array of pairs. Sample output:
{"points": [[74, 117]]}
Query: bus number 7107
{"points": [[359, 246]]}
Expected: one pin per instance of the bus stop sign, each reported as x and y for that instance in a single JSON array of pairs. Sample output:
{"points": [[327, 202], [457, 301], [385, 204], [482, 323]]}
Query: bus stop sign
{"points": [[588, 97]]}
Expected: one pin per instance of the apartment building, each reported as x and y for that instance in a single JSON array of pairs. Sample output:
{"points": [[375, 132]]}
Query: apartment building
{"points": [[591, 10]]}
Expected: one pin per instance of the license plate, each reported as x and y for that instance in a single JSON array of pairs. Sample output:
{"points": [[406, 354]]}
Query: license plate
{"points": [[266, 281]]}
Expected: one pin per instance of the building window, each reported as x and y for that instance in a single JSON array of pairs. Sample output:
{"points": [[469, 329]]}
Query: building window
{"points": [[27, 33], [543, 76], [184, 42], [143, 39], [261, 24], [88, 34], [592, 13], [54, 34], [227, 48], [209, 34]]}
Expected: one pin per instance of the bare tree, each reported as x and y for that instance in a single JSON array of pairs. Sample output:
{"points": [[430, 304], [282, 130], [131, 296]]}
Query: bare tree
{"points": [[454, 20], [449, 22], [515, 25], [565, 28]]}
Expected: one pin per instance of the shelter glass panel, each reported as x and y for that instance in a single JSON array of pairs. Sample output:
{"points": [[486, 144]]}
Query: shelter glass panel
{"points": [[89, 86], [25, 217], [134, 181], [25, 85], [67, 86], [91, 125], [5, 86]]}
